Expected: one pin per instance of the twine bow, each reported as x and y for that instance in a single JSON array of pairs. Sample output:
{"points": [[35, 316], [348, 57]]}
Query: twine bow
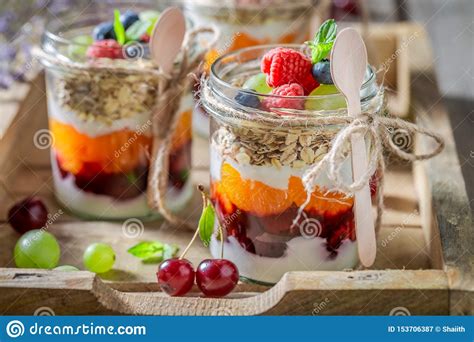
{"points": [[379, 131]]}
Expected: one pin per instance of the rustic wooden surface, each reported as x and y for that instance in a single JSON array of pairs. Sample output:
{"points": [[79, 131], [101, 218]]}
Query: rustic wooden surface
{"points": [[461, 115], [411, 270], [357, 293], [451, 206]]}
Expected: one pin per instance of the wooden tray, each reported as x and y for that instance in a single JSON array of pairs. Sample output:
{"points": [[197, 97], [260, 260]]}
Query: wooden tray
{"points": [[423, 267]]}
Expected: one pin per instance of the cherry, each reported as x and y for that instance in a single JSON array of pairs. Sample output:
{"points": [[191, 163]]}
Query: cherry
{"points": [[176, 276], [28, 214], [217, 277]]}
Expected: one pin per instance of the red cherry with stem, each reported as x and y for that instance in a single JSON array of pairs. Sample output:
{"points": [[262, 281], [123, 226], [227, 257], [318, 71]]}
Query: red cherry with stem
{"points": [[176, 276], [28, 214], [217, 277]]}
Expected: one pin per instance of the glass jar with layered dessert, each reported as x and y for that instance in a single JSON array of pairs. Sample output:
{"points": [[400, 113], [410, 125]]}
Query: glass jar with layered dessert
{"points": [[244, 23], [266, 133], [101, 92]]}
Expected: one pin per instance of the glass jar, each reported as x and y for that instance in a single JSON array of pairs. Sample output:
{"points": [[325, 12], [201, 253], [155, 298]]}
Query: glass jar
{"points": [[100, 122], [258, 159], [243, 24]]}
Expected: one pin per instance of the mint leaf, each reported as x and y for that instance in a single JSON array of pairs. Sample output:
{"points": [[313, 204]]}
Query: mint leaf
{"points": [[153, 260], [146, 249], [118, 28], [323, 41], [170, 251], [206, 224], [137, 29], [153, 252]]}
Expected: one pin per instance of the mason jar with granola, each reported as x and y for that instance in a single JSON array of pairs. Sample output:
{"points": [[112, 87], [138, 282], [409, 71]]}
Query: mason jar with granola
{"points": [[102, 91], [274, 115], [244, 23]]}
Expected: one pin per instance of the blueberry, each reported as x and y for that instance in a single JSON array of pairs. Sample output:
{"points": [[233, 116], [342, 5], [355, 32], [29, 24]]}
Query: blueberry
{"points": [[322, 72], [128, 18], [103, 31], [247, 100]]}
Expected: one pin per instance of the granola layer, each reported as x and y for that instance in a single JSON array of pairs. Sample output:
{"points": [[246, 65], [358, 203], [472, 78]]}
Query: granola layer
{"points": [[271, 157]]}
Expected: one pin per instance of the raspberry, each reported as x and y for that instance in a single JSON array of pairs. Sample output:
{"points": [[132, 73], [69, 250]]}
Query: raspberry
{"points": [[284, 66], [107, 48], [293, 89], [144, 38]]}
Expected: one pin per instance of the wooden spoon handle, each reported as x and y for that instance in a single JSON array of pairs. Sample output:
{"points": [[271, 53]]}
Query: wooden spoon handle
{"points": [[365, 230]]}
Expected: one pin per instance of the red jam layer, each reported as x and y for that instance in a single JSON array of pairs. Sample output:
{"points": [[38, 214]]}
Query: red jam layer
{"points": [[93, 178], [267, 235]]}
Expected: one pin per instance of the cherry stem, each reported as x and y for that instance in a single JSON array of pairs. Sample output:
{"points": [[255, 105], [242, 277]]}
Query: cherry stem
{"points": [[204, 203], [205, 199], [190, 243], [222, 240]]}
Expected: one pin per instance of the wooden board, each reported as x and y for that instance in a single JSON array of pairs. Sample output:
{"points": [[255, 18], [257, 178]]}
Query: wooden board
{"points": [[424, 261]]}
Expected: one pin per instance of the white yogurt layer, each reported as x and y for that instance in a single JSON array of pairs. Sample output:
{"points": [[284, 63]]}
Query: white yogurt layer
{"points": [[277, 178], [301, 255], [106, 207], [94, 128]]}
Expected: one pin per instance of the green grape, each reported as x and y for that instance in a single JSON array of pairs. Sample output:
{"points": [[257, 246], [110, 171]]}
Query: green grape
{"points": [[151, 17], [258, 83], [66, 268], [99, 258], [79, 46], [325, 103], [37, 249]]}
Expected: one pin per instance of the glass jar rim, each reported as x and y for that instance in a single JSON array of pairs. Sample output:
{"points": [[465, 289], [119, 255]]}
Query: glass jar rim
{"points": [[69, 21], [214, 77]]}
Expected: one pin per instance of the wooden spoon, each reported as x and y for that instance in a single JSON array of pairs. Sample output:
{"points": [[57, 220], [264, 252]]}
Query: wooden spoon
{"points": [[167, 38], [348, 67]]}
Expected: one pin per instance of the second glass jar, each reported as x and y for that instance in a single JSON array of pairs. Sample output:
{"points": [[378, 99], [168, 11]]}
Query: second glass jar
{"points": [[256, 177], [100, 123]]}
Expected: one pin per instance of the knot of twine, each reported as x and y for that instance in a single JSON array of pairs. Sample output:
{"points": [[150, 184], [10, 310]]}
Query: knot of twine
{"points": [[378, 129]]}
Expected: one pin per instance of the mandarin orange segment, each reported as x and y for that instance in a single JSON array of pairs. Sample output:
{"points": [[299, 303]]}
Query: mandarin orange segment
{"points": [[326, 204], [183, 131], [242, 40], [210, 58], [116, 152], [287, 38], [253, 196], [218, 193]]}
